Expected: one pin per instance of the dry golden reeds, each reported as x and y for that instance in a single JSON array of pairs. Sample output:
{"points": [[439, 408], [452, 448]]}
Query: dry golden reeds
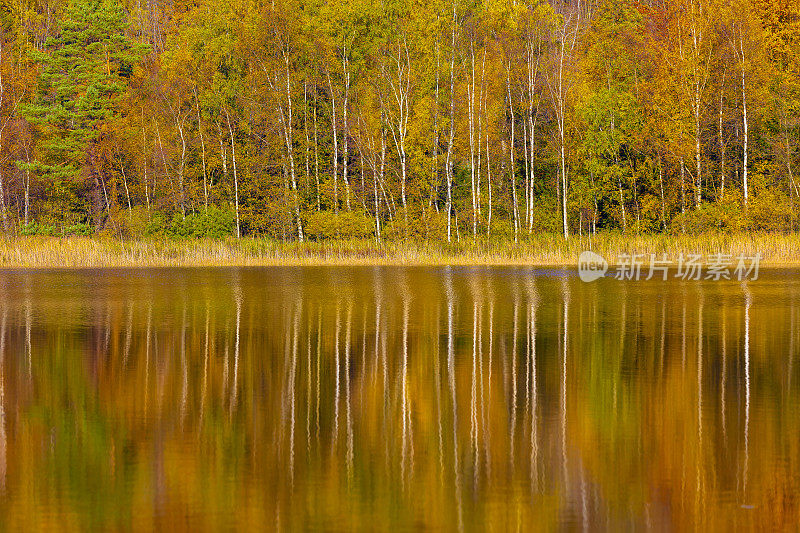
{"points": [[546, 249]]}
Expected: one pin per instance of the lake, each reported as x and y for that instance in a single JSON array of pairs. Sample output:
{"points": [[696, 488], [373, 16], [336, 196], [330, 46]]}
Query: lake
{"points": [[395, 398]]}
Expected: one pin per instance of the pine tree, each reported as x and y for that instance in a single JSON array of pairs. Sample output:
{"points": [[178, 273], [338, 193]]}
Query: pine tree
{"points": [[83, 75]]}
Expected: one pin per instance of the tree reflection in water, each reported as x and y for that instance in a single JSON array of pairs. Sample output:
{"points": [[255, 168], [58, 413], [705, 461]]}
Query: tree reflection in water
{"points": [[396, 397]]}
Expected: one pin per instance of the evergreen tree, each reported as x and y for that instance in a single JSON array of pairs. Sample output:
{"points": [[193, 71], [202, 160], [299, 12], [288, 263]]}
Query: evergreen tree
{"points": [[83, 75]]}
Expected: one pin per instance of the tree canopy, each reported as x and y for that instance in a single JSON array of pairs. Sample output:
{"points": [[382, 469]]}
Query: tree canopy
{"points": [[435, 120]]}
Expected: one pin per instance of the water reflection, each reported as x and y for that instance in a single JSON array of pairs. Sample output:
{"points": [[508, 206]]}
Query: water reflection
{"points": [[396, 397]]}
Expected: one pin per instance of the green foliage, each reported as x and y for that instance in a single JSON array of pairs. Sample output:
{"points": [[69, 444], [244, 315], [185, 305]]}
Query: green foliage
{"points": [[262, 106], [346, 225], [612, 117], [712, 216], [546, 215], [33, 228], [502, 230], [80, 229], [82, 78], [126, 223], [768, 211], [215, 222]]}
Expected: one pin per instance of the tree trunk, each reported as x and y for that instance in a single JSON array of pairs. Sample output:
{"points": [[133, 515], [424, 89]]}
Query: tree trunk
{"points": [[471, 118], [481, 126], [127, 192], [335, 147], [435, 173], [305, 133], [399, 123], [345, 144], [533, 72], [2, 184], [235, 177], [527, 168], [203, 150], [316, 150], [744, 120], [449, 163], [376, 199], [3, 197], [144, 167], [512, 161], [163, 161], [488, 187], [27, 184], [287, 120], [661, 185], [697, 152], [721, 142], [683, 186], [622, 205], [561, 133], [181, 167], [788, 149]]}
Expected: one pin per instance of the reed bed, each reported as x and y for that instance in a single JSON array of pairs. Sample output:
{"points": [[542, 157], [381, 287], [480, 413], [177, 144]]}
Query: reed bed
{"points": [[82, 252]]}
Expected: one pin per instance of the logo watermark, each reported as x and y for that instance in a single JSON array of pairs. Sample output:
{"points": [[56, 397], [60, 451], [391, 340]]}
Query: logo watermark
{"points": [[591, 266], [635, 267]]}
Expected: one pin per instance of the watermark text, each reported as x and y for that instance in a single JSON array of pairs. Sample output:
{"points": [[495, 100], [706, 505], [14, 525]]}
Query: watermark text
{"points": [[687, 267]]}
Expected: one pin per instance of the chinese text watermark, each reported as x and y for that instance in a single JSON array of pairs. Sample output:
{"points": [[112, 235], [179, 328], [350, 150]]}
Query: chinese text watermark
{"points": [[695, 267]]}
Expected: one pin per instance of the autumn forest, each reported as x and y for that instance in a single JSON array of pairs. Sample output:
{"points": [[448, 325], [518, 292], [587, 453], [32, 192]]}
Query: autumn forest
{"points": [[446, 119]]}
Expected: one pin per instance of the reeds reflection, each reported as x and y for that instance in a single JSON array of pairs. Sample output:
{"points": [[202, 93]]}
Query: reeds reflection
{"points": [[396, 397]]}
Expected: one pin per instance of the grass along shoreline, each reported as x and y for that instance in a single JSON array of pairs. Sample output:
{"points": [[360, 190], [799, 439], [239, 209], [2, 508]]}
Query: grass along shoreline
{"points": [[541, 250]]}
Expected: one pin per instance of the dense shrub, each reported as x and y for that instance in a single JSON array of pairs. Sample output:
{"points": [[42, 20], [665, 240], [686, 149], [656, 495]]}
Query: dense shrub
{"points": [[81, 228], [34, 228], [710, 216], [767, 210], [215, 222], [321, 225]]}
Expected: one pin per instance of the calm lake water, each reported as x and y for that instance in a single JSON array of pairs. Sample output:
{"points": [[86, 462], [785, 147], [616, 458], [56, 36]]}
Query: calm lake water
{"points": [[391, 397]]}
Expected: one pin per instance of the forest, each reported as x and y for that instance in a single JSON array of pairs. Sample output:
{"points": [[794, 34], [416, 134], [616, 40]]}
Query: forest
{"points": [[302, 120]]}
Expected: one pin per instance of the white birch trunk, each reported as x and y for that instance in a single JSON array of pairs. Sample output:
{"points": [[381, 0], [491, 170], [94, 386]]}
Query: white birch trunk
{"points": [[235, 177], [335, 148], [745, 123], [512, 159]]}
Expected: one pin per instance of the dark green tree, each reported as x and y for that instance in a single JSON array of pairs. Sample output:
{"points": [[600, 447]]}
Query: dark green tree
{"points": [[83, 75]]}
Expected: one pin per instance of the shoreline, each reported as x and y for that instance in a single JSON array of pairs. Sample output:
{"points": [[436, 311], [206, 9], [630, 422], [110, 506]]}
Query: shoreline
{"points": [[780, 251]]}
